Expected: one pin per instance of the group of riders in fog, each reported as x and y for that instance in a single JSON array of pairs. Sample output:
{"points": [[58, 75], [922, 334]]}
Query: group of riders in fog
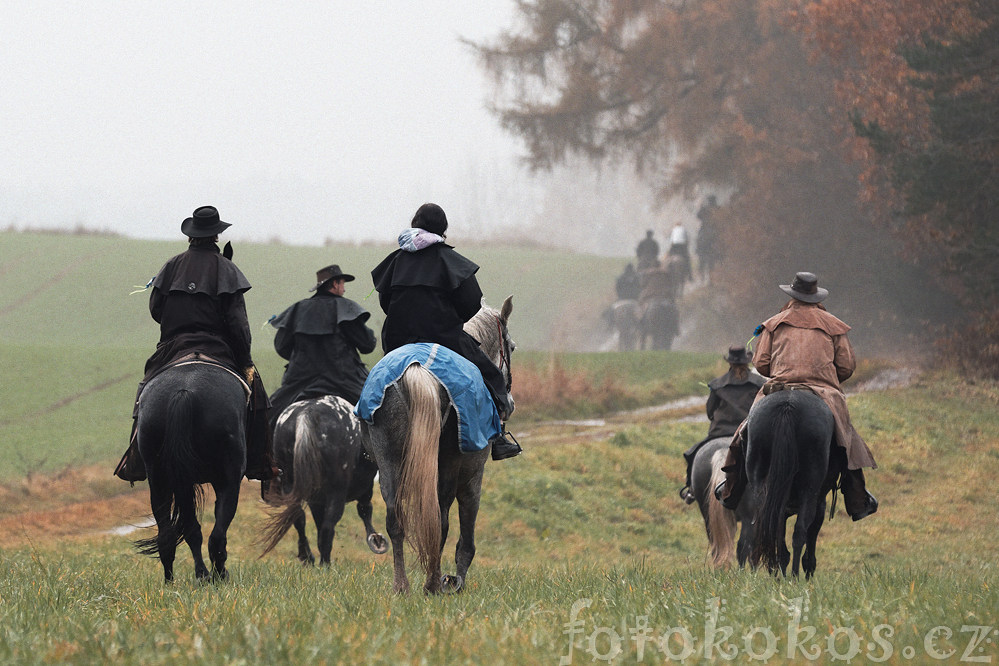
{"points": [[440, 341]]}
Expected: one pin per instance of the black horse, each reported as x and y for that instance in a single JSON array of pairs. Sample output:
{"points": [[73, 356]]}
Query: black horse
{"points": [[660, 323], [317, 444], [789, 437], [720, 523], [414, 439], [191, 430]]}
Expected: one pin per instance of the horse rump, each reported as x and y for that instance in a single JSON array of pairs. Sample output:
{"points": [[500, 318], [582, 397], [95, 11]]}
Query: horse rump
{"points": [[176, 463]]}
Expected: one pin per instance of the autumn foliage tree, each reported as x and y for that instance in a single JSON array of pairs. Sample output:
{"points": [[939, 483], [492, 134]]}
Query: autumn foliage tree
{"points": [[741, 97], [920, 81]]}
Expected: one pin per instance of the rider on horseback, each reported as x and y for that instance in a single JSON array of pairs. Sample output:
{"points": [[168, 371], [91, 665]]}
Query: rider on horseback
{"points": [[428, 291], [197, 299], [805, 346], [729, 399], [628, 285], [322, 338]]}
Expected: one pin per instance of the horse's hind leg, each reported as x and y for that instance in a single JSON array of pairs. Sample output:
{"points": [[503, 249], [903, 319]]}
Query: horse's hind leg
{"points": [[226, 501], [304, 549], [808, 561], [802, 531], [166, 532], [783, 554], [400, 583], [191, 529], [468, 511], [326, 518]]}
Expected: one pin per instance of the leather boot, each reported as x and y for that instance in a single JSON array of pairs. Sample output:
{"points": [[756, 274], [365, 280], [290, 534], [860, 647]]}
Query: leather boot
{"points": [[503, 448], [858, 502], [131, 468]]}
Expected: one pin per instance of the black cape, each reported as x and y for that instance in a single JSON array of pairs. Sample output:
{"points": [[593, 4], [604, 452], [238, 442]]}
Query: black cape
{"points": [[427, 296], [197, 299], [322, 338]]}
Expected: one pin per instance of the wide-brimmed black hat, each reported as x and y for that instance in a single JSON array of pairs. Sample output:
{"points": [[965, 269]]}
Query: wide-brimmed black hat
{"points": [[739, 355], [805, 288], [326, 275], [430, 217], [204, 223]]}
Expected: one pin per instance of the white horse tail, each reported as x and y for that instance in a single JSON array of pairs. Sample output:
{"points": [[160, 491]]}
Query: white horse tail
{"points": [[417, 504], [721, 521], [306, 476]]}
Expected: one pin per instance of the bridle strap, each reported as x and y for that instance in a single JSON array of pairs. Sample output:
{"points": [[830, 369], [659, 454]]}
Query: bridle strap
{"points": [[504, 355]]}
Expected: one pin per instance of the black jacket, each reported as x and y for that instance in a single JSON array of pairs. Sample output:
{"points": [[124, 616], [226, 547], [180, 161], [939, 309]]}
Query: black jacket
{"points": [[729, 402], [427, 296], [322, 338], [197, 299]]}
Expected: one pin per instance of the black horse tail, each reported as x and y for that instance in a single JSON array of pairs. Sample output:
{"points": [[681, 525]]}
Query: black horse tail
{"points": [[307, 478], [771, 516], [179, 463]]}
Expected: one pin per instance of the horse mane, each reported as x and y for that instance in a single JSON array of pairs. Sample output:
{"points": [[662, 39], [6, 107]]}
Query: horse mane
{"points": [[482, 327]]}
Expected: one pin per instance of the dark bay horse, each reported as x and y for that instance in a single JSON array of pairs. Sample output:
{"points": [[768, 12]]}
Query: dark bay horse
{"points": [[660, 323], [720, 523], [789, 435], [317, 444], [422, 471], [627, 319], [191, 430]]}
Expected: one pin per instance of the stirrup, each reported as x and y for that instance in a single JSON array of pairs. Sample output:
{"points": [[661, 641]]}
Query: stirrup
{"points": [[503, 448]]}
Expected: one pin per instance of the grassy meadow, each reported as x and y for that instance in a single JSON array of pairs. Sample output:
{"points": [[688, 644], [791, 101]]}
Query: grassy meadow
{"points": [[584, 551]]}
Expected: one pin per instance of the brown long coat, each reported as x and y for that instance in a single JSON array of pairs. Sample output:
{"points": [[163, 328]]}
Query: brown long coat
{"points": [[804, 344]]}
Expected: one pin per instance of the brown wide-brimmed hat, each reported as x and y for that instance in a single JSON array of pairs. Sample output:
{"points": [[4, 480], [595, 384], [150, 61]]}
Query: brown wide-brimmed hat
{"points": [[326, 275], [739, 355], [805, 288], [204, 223]]}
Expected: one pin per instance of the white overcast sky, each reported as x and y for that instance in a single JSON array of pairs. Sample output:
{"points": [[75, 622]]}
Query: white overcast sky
{"points": [[299, 120]]}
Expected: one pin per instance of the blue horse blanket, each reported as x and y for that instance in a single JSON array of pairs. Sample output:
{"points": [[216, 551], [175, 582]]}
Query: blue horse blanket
{"points": [[478, 420]]}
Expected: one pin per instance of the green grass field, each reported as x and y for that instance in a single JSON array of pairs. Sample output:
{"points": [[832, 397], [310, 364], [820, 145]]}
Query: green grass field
{"points": [[585, 554]]}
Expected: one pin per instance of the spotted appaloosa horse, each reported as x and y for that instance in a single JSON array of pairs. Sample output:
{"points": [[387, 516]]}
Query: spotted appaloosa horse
{"points": [[317, 444]]}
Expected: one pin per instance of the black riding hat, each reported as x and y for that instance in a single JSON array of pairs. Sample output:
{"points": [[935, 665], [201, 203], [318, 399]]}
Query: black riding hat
{"points": [[430, 217], [739, 355], [204, 223], [326, 275], [805, 288]]}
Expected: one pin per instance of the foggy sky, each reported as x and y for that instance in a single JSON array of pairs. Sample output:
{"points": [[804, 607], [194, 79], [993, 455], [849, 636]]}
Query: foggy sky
{"points": [[298, 120]]}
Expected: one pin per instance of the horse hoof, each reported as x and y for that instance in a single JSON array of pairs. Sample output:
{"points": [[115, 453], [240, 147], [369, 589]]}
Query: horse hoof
{"points": [[378, 544], [452, 584]]}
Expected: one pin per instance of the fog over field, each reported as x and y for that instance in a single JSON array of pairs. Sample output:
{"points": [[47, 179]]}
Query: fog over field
{"points": [[297, 120]]}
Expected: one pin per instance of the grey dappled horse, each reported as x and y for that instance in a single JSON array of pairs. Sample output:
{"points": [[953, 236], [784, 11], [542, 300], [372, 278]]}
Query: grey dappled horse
{"points": [[720, 523], [789, 435], [414, 440], [191, 430], [317, 445]]}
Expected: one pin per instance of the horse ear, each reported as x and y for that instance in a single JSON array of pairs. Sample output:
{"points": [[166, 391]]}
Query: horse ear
{"points": [[507, 308]]}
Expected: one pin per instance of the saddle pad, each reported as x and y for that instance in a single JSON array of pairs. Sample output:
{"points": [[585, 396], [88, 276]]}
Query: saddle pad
{"points": [[478, 420]]}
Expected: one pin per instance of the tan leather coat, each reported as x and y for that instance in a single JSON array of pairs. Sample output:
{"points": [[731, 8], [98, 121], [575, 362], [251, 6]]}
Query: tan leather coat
{"points": [[804, 344]]}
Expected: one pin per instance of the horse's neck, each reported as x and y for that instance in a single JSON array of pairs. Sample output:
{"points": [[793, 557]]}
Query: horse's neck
{"points": [[484, 327]]}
